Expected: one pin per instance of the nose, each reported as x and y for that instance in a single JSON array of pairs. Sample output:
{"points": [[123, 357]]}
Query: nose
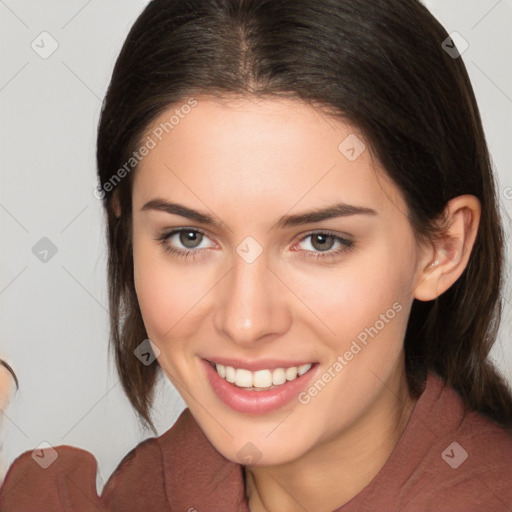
{"points": [[252, 303]]}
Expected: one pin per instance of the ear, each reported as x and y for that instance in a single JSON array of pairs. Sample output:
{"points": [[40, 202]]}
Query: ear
{"points": [[443, 260]]}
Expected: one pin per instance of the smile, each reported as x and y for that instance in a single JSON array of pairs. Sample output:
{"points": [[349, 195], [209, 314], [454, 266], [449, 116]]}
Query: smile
{"points": [[264, 388], [260, 380]]}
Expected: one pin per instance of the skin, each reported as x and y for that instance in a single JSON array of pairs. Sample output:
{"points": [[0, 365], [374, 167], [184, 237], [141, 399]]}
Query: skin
{"points": [[6, 389], [247, 164]]}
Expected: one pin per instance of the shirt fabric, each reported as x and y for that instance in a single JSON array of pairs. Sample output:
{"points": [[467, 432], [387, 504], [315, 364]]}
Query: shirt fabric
{"points": [[447, 459]]}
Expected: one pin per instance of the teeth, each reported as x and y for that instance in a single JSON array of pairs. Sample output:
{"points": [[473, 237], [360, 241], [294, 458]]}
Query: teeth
{"points": [[221, 370], [230, 374], [303, 369], [243, 378], [260, 380], [291, 373], [278, 376]]}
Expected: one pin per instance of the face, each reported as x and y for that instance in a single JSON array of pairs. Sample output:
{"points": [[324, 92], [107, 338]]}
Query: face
{"points": [[278, 325]]}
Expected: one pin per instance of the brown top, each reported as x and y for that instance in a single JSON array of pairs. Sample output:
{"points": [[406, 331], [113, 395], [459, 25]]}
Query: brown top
{"points": [[446, 460]]}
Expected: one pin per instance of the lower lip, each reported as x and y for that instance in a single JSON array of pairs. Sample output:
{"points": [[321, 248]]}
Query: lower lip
{"points": [[256, 402]]}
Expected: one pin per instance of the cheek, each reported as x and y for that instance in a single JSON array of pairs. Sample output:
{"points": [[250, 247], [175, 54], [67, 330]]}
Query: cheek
{"points": [[169, 293], [153, 287], [344, 300]]}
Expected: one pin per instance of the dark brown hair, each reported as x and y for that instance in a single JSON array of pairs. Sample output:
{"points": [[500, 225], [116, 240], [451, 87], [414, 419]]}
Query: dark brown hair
{"points": [[378, 64]]}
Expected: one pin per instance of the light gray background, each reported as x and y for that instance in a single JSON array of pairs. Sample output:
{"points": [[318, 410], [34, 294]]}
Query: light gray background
{"points": [[54, 328]]}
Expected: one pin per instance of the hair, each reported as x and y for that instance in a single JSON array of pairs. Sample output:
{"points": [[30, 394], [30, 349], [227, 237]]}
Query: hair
{"points": [[377, 64]]}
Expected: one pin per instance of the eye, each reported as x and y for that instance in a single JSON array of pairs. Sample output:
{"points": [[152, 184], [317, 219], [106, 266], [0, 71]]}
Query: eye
{"points": [[322, 243], [190, 239]]}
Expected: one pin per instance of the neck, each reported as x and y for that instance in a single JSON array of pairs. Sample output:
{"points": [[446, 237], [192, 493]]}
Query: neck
{"points": [[340, 467]]}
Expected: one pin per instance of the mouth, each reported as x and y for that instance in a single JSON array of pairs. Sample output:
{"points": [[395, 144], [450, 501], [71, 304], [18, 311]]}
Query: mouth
{"points": [[264, 388], [260, 380]]}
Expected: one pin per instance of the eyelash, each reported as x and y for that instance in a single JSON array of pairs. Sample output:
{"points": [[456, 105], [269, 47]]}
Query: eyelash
{"points": [[347, 245]]}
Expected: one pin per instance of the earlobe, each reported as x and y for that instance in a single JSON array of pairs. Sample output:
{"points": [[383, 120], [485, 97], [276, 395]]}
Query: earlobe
{"points": [[451, 251]]}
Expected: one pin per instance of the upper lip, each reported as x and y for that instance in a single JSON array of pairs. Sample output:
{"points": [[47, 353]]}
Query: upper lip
{"points": [[255, 365]]}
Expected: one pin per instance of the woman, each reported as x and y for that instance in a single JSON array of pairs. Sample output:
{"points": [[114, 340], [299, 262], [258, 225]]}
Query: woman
{"points": [[302, 219]]}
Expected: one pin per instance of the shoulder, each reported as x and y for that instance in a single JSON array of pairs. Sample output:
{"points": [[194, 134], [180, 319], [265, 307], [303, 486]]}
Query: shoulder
{"points": [[138, 476], [63, 478], [159, 474], [466, 463], [53, 478], [474, 466], [179, 470], [448, 459]]}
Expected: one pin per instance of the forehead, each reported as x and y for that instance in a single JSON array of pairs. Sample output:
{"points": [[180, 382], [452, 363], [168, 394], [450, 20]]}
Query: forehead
{"points": [[271, 154]]}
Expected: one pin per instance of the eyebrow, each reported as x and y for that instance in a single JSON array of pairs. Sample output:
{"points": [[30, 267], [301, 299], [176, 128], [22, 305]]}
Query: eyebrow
{"points": [[310, 216]]}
